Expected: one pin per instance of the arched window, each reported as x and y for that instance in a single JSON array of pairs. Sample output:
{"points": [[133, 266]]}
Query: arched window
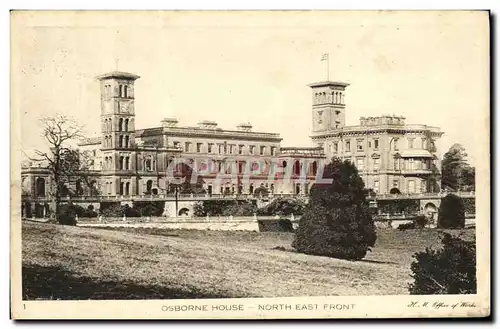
{"points": [[40, 187], [126, 125], [127, 163], [296, 167], [127, 188], [314, 168], [149, 186], [121, 162], [120, 124], [121, 90], [120, 142], [127, 142], [125, 91], [147, 164]]}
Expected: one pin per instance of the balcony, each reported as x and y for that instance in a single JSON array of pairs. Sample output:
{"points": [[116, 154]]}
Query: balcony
{"points": [[302, 151], [417, 172]]}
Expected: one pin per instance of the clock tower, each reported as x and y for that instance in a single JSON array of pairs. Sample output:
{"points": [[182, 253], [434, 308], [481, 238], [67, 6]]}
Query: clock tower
{"points": [[117, 125]]}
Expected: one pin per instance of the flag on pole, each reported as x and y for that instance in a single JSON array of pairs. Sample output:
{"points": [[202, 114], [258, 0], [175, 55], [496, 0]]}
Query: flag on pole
{"points": [[324, 57]]}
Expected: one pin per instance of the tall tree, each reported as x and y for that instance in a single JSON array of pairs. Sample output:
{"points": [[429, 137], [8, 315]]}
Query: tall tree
{"points": [[64, 162], [457, 174], [337, 220]]}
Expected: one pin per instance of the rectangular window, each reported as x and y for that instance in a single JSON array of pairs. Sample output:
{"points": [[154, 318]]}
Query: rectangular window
{"points": [[424, 143], [335, 147], [411, 164], [376, 164], [375, 144], [262, 150], [360, 164], [198, 147], [348, 146], [221, 149], [177, 144], [410, 143], [359, 145], [252, 150], [187, 147], [376, 186], [210, 147], [240, 149], [273, 150], [396, 142]]}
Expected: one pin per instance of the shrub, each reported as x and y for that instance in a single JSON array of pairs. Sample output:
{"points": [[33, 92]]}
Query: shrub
{"points": [[421, 221], [469, 205], [117, 210], [130, 212], [113, 210], [398, 206], [337, 221], [152, 208], [67, 214], [283, 207], [261, 191], [450, 270], [451, 212], [407, 226], [285, 225], [224, 208]]}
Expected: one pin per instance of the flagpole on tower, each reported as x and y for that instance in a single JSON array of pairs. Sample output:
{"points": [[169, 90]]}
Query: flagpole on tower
{"points": [[326, 57]]}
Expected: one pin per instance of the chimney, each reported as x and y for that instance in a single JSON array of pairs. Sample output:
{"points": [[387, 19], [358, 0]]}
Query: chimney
{"points": [[206, 124], [169, 122], [244, 127]]}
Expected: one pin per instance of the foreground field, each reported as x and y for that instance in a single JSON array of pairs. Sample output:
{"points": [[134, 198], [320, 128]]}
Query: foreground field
{"points": [[61, 262]]}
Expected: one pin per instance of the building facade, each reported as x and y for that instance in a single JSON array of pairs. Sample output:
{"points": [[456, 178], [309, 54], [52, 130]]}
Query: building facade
{"points": [[390, 155]]}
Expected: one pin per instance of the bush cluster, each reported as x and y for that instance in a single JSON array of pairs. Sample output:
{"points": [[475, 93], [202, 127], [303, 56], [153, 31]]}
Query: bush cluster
{"points": [[451, 212], [117, 210], [449, 270], [337, 220], [398, 206], [283, 207], [224, 208], [67, 213], [418, 223]]}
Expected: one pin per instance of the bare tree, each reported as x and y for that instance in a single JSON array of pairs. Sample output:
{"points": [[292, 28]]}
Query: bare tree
{"points": [[64, 162]]}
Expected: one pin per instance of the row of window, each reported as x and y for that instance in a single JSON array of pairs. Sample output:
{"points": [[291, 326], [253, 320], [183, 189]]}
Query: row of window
{"points": [[412, 164], [123, 141], [334, 97], [414, 186], [375, 145], [123, 91], [225, 148], [399, 164], [123, 124]]}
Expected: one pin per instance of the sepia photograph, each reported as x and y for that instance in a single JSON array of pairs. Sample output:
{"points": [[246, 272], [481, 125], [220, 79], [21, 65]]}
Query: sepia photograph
{"points": [[250, 164]]}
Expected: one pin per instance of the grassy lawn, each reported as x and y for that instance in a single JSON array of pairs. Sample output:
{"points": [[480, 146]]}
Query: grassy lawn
{"points": [[62, 262]]}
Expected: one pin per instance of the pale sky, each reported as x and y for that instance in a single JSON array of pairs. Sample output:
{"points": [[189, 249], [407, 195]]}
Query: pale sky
{"points": [[254, 67]]}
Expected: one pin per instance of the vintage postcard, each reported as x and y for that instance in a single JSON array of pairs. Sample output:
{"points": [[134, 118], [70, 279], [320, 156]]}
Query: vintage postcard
{"points": [[250, 164]]}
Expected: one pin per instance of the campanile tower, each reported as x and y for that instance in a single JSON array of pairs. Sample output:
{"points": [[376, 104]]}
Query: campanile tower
{"points": [[328, 106]]}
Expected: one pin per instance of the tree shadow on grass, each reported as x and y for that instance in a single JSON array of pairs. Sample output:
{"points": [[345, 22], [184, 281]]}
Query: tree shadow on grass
{"points": [[376, 262], [290, 249], [54, 283]]}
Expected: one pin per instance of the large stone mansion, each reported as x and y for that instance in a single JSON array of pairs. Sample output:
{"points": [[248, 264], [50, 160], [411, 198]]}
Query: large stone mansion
{"points": [[391, 156]]}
